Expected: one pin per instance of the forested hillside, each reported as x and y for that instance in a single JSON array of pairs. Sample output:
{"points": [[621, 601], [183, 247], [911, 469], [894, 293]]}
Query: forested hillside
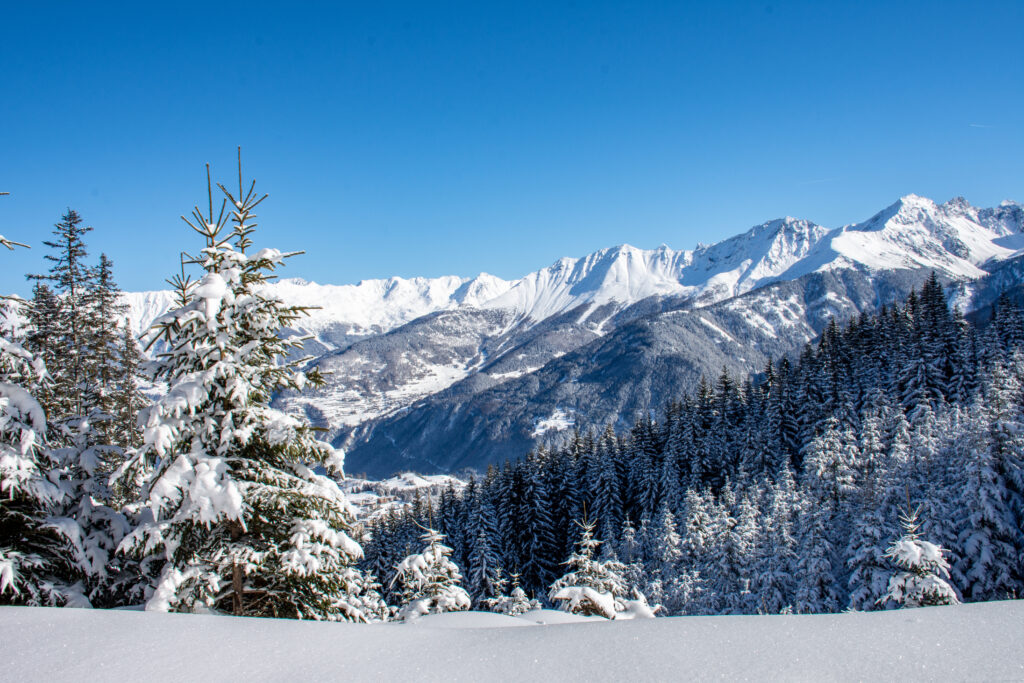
{"points": [[782, 491]]}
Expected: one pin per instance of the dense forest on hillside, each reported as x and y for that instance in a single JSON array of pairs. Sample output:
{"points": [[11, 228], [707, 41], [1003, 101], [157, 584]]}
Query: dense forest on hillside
{"points": [[776, 493]]}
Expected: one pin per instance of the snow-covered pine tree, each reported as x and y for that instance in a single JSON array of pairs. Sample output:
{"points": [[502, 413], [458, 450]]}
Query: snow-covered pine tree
{"points": [[629, 548], [381, 550], [827, 470], [230, 503], [35, 563], [730, 564], [77, 336], [816, 582], [773, 583], [484, 567], [923, 571], [590, 587], [107, 343], [866, 560], [429, 580], [128, 397], [42, 334], [69, 354], [647, 464], [671, 471], [538, 560], [661, 578], [667, 542], [989, 557], [608, 494]]}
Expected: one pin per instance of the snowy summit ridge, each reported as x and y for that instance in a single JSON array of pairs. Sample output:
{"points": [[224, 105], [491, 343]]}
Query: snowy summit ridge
{"points": [[953, 238]]}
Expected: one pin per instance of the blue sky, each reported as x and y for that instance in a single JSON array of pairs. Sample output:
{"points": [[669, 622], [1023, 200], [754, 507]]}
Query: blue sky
{"points": [[452, 138]]}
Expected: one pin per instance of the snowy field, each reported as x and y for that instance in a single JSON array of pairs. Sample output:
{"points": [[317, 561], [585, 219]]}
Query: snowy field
{"points": [[967, 642]]}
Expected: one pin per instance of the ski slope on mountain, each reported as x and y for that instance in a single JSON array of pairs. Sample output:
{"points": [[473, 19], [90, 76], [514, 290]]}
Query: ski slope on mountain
{"points": [[967, 642]]}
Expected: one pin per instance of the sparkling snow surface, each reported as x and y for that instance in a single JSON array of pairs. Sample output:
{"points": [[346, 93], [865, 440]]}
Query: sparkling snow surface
{"points": [[967, 642]]}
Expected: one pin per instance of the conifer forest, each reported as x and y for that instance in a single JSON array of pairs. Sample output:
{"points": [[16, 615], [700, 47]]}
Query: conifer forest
{"points": [[783, 492]]}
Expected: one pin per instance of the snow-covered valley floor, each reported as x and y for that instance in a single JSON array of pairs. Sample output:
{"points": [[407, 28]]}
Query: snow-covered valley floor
{"points": [[966, 642]]}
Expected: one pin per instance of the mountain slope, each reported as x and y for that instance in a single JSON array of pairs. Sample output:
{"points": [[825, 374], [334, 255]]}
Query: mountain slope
{"points": [[500, 362], [624, 374]]}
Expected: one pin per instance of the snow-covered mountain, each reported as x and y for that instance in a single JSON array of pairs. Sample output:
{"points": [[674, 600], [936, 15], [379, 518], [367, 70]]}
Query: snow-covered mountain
{"points": [[954, 238], [415, 358]]}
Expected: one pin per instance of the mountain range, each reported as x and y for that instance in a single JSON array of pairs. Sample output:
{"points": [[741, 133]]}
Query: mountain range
{"points": [[448, 374]]}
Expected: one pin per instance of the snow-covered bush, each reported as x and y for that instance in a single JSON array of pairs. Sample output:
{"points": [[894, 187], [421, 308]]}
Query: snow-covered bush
{"points": [[922, 580], [636, 607], [429, 581], [513, 604], [231, 506]]}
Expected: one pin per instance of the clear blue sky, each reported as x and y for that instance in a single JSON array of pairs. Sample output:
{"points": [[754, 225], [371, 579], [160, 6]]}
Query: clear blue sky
{"points": [[436, 138]]}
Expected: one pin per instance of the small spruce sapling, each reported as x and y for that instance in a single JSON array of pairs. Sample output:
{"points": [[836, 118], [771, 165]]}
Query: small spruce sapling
{"points": [[922, 579], [591, 587], [429, 580]]}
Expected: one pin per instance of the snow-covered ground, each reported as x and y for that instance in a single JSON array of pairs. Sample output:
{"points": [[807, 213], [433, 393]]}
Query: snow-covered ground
{"points": [[967, 642]]}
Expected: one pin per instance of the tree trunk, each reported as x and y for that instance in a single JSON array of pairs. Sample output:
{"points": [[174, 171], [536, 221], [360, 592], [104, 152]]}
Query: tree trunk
{"points": [[236, 574]]}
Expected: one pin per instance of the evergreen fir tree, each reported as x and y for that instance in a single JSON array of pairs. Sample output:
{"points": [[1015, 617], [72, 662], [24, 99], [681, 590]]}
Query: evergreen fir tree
{"points": [[429, 581], [591, 587], [77, 332], [230, 503], [484, 567], [869, 571], [990, 557], [775, 561], [35, 557], [629, 550], [43, 340], [923, 571], [105, 342], [538, 563], [816, 584], [608, 498], [128, 397], [72, 278]]}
